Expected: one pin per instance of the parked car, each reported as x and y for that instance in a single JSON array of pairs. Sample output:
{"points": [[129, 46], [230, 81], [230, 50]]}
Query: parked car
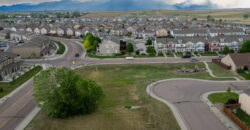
{"points": [[77, 55], [129, 58], [194, 60], [221, 55], [186, 56]]}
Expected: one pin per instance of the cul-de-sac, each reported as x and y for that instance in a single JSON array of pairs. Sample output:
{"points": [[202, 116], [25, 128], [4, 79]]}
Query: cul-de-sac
{"points": [[124, 65]]}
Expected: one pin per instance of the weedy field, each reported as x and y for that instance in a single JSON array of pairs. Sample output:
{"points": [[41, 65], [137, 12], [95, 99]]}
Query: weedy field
{"points": [[124, 87], [229, 16]]}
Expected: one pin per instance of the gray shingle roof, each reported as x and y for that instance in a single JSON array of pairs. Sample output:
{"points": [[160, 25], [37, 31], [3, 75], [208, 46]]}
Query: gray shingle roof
{"points": [[7, 55]]}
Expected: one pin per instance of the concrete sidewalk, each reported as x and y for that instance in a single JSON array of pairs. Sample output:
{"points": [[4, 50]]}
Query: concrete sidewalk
{"points": [[220, 115], [214, 76]]}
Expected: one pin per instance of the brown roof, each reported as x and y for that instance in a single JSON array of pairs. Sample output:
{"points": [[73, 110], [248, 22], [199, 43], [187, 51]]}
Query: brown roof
{"points": [[240, 59]]}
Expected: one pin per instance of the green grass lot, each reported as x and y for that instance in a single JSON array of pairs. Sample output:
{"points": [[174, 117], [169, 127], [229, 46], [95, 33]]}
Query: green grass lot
{"points": [[220, 71], [124, 85], [170, 55], [61, 48], [179, 54], [222, 97], [243, 116], [244, 74], [209, 54], [9, 87], [120, 56]]}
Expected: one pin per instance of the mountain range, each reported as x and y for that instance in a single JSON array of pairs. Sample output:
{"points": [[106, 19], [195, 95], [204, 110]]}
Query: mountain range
{"points": [[110, 5]]}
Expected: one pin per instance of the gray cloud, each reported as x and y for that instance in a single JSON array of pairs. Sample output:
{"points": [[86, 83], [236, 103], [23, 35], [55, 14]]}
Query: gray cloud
{"points": [[14, 2]]}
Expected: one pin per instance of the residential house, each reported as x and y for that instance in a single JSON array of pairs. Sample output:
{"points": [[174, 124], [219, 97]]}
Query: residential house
{"points": [[189, 33], [21, 36], [69, 32], [184, 44], [37, 47], [60, 32], [161, 32], [53, 31], [244, 100], [37, 30], [79, 33], [237, 61], [29, 29], [9, 64], [226, 32], [108, 48], [44, 30]]}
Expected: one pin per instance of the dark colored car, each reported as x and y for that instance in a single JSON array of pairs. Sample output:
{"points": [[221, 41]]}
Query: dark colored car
{"points": [[77, 55], [194, 60], [186, 56]]}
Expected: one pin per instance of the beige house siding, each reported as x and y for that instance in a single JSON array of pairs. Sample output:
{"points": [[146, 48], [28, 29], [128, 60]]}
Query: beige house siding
{"points": [[227, 60], [27, 52], [162, 32], [108, 48], [244, 99]]}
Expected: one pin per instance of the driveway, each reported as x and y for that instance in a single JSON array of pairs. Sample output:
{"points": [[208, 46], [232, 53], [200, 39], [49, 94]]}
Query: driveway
{"points": [[185, 96]]}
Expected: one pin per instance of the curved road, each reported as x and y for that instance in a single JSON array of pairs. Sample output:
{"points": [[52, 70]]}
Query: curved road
{"points": [[185, 96], [20, 104]]}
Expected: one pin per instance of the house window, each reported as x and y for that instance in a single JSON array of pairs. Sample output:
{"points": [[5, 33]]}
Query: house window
{"points": [[241, 39], [179, 41]]}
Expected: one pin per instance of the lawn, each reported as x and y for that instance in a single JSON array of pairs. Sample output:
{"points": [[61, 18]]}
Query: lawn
{"points": [[179, 54], [222, 97], [124, 85], [220, 71], [9, 87], [170, 54], [61, 48], [120, 56], [245, 74], [243, 116], [209, 54]]}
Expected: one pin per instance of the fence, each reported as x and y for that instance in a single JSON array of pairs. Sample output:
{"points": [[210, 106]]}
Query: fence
{"points": [[218, 62], [241, 124]]}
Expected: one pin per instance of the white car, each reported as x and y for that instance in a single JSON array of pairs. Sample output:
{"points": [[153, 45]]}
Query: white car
{"points": [[129, 58]]}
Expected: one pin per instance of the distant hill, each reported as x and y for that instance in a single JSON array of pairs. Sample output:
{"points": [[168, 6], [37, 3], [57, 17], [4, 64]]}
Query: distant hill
{"points": [[111, 5]]}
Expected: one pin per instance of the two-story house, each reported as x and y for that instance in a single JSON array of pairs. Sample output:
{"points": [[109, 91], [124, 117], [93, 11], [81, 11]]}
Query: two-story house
{"points": [[9, 63]]}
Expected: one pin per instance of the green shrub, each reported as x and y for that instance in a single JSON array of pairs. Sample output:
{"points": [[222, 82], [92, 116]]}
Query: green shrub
{"points": [[160, 54], [64, 93], [1, 89], [118, 54]]}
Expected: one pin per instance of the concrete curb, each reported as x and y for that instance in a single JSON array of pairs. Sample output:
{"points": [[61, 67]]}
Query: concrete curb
{"points": [[180, 120], [182, 123], [28, 119], [5, 98], [222, 117], [24, 123]]}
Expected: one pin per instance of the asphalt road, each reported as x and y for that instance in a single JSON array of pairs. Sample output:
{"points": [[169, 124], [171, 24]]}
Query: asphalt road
{"points": [[18, 106], [186, 94]]}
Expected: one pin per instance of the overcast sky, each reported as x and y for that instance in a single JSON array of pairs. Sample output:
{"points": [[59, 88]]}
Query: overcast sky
{"points": [[219, 3]]}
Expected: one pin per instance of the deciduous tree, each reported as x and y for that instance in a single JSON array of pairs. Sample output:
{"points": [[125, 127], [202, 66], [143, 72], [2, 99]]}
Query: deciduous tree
{"points": [[63, 93], [245, 47]]}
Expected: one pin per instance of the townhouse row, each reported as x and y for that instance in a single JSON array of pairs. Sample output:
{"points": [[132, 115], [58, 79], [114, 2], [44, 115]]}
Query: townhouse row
{"points": [[199, 44]]}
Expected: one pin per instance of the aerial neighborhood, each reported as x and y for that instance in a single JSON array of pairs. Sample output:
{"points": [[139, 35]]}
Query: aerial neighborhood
{"points": [[169, 35], [114, 69]]}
